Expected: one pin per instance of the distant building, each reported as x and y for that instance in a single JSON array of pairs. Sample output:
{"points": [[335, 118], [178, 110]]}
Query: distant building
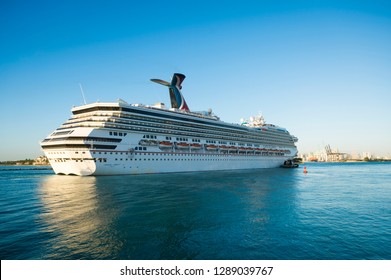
{"points": [[41, 160], [329, 155], [367, 155], [326, 155]]}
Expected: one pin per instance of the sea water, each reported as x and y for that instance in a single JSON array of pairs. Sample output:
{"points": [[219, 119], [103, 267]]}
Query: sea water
{"points": [[338, 211]]}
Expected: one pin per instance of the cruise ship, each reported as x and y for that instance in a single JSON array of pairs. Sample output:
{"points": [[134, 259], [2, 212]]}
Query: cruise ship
{"points": [[120, 138]]}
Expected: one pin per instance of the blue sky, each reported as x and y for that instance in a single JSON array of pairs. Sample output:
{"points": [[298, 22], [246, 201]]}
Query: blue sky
{"points": [[322, 69]]}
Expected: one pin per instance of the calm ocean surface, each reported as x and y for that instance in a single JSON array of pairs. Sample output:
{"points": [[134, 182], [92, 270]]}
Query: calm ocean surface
{"points": [[336, 211]]}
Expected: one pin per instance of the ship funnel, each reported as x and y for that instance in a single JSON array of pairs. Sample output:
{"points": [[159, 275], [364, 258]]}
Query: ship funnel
{"points": [[177, 100]]}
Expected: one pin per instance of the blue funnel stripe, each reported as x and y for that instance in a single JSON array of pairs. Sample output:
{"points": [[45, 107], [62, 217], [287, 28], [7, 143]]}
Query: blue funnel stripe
{"points": [[176, 87]]}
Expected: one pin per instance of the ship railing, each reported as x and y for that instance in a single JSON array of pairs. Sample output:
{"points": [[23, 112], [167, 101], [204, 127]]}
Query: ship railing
{"points": [[195, 114]]}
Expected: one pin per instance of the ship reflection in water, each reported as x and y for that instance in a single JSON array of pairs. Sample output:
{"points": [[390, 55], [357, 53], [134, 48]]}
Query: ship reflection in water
{"points": [[71, 213], [165, 216]]}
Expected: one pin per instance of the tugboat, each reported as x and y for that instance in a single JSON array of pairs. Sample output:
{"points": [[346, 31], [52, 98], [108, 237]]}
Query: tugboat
{"points": [[289, 164]]}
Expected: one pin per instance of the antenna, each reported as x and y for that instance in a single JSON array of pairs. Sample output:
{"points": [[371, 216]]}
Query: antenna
{"points": [[82, 93]]}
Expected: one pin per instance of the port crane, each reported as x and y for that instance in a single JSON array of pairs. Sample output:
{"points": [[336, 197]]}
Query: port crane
{"points": [[333, 156]]}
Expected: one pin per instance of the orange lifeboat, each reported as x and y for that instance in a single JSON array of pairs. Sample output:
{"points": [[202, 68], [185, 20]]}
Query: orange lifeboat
{"points": [[211, 147], [242, 150], [224, 148], [165, 144], [182, 145], [233, 149], [195, 146]]}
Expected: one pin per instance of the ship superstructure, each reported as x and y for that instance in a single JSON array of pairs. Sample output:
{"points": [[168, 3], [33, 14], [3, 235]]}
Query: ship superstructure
{"points": [[121, 138]]}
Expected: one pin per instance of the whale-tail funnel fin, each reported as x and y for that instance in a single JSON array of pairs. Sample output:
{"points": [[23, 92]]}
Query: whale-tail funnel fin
{"points": [[177, 100], [164, 83]]}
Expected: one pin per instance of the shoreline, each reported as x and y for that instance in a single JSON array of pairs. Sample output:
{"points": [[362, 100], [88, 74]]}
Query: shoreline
{"points": [[14, 164], [349, 161], [19, 167]]}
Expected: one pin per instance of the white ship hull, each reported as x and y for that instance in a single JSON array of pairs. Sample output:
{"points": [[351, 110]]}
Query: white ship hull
{"points": [[141, 163], [129, 157]]}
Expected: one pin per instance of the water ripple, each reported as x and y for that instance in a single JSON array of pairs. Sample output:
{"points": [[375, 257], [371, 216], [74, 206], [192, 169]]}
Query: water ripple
{"points": [[336, 211]]}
